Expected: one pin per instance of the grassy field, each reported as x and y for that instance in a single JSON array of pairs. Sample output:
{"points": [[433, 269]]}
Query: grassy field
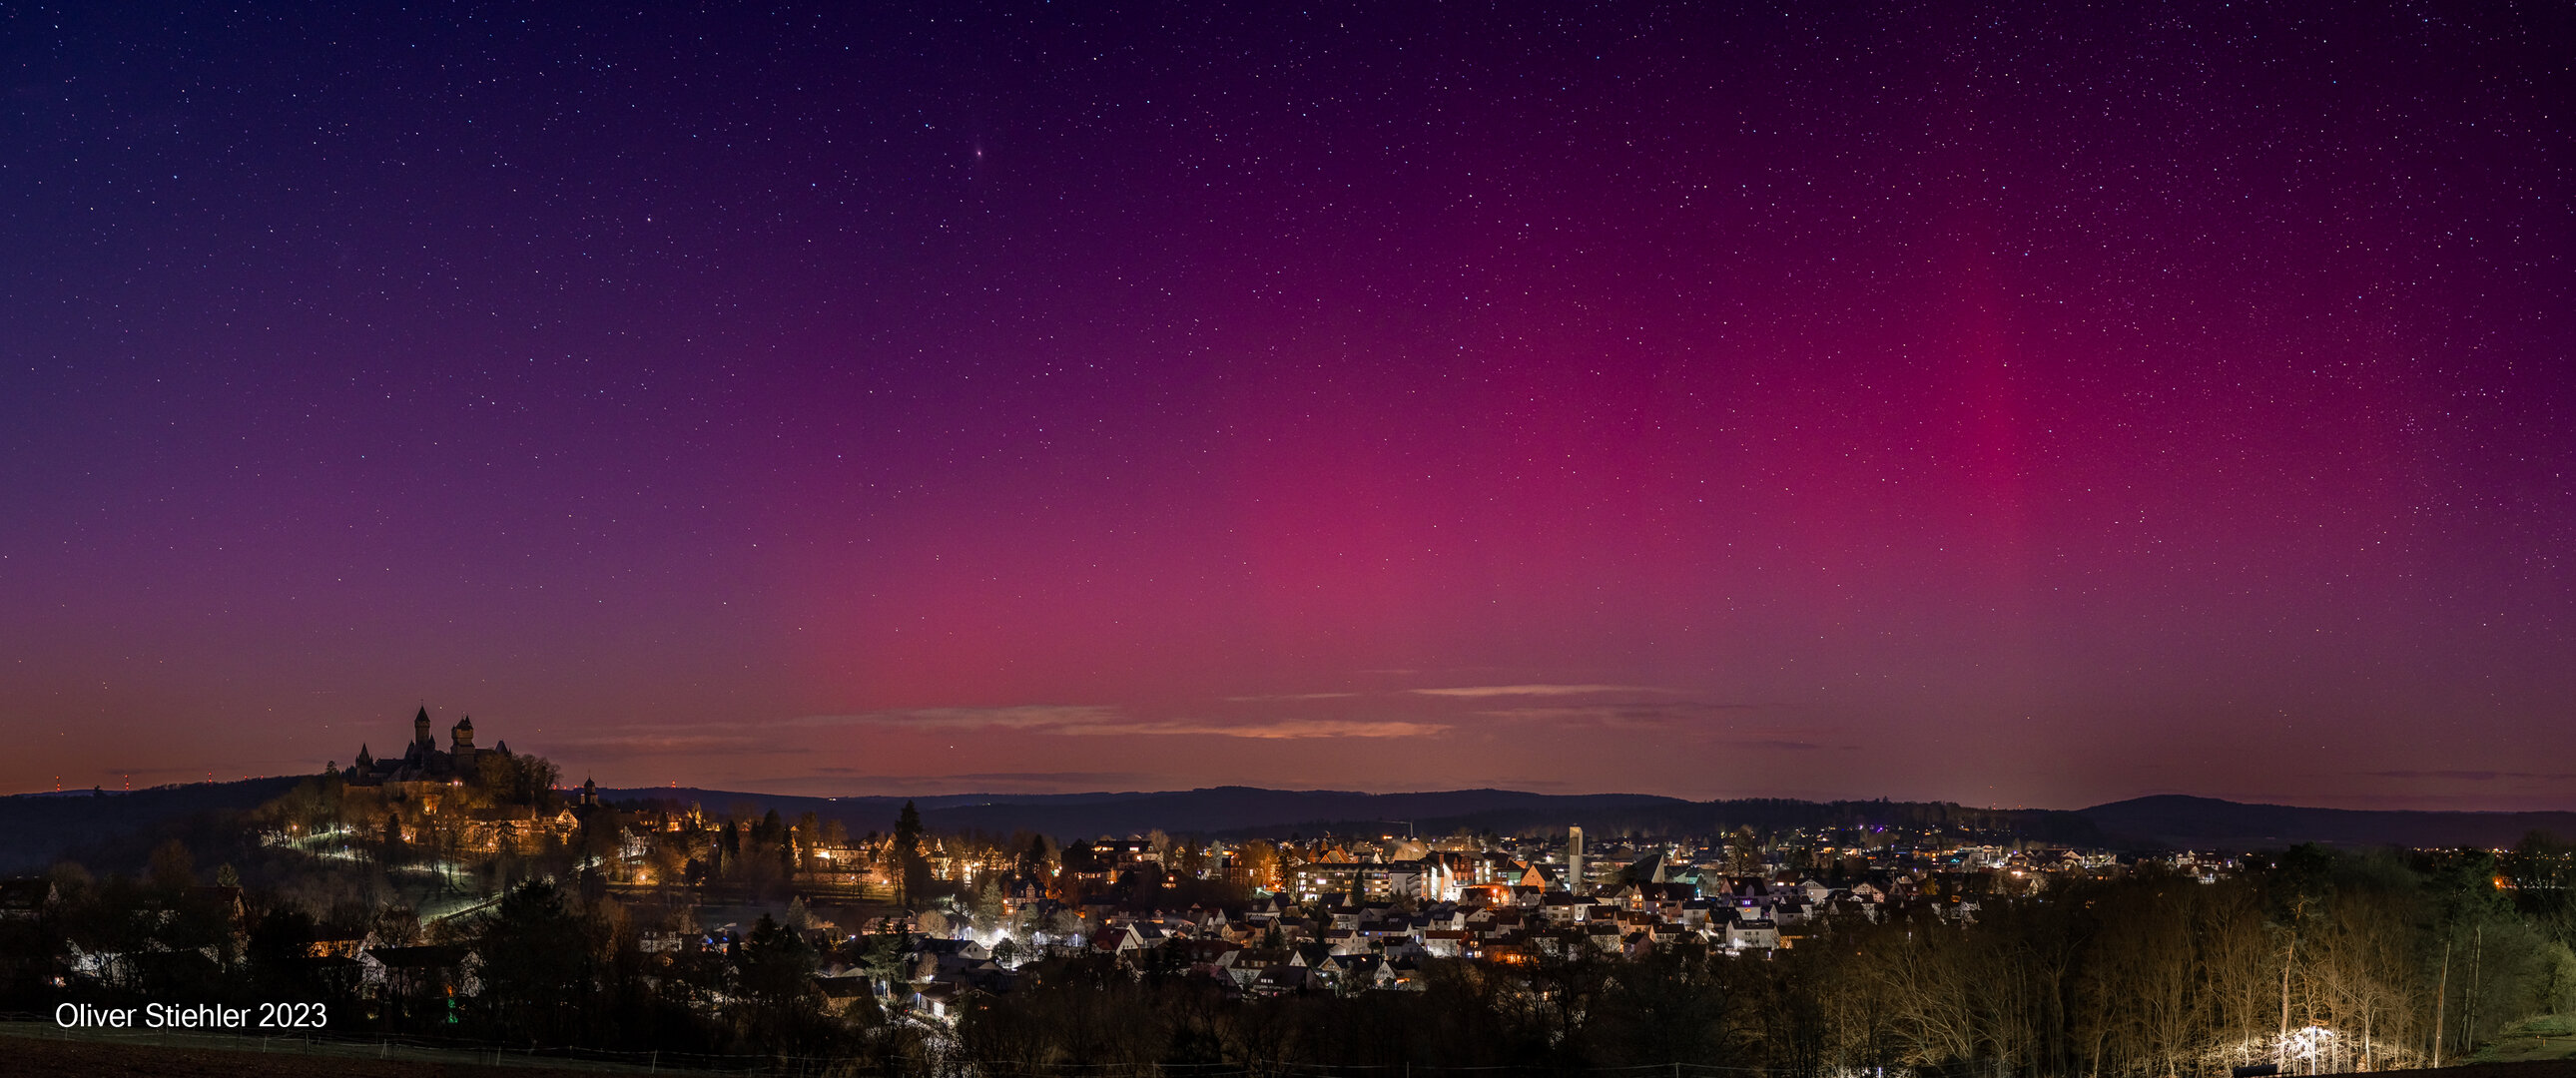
{"points": [[34, 1048], [2548, 1037], [36, 1057]]}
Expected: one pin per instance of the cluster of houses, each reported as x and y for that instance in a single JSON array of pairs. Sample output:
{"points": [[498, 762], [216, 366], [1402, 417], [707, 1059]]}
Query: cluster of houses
{"points": [[1332, 915], [1372, 917], [1364, 926]]}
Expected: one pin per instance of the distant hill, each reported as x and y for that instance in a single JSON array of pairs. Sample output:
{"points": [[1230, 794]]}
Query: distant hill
{"points": [[1214, 811], [2180, 822], [1243, 811], [37, 829], [2161, 822]]}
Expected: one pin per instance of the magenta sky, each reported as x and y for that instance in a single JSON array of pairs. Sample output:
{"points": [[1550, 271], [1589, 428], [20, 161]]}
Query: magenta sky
{"points": [[2034, 408]]}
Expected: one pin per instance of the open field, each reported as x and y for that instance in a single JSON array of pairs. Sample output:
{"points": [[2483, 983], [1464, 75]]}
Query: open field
{"points": [[37, 1050], [34, 1057], [2554, 1068], [2547, 1037]]}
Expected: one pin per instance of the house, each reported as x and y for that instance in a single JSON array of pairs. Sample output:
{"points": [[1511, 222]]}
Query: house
{"points": [[1668, 932], [1558, 942], [1665, 899], [1268, 911], [936, 1000], [1351, 974], [1281, 980], [423, 981], [25, 900], [1446, 943], [1204, 955], [946, 959], [1245, 965], [844, 995], [1425, 880], [1753, 934], [336, 941], [1403, 975], [1317, 879], [1120, 941]]}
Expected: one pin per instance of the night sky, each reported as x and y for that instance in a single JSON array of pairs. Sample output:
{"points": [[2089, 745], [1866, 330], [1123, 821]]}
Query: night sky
{"points": [[2010, 405]]}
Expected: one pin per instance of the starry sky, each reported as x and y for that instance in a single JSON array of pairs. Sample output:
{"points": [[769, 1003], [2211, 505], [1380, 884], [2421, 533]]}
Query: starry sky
{"points": [[2012, 404]]}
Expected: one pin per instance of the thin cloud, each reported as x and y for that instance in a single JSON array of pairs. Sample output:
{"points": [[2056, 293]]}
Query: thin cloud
{"points": [[2475, 776], [1478, 691], [1093, 777], [1008, 717], [1627, 714], [1101, 721], [1290, 696], [1270, 731], [1055, 720], [1055, 778], [852, 782]]}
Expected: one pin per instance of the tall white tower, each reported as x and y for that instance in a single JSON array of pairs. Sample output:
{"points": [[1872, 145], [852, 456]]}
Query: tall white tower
{"points": [[1574, 880]]}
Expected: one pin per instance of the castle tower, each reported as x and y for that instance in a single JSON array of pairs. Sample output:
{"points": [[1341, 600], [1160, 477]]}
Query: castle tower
{"points": [[420, 730], [462, 737], [366, 760]]}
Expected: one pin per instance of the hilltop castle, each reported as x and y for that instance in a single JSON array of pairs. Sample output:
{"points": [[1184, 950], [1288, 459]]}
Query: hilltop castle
{"points": [[423, 760]]}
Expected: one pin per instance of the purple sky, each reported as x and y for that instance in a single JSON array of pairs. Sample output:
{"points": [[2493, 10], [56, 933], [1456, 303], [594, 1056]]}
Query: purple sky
{"points": [[2012, 406]]}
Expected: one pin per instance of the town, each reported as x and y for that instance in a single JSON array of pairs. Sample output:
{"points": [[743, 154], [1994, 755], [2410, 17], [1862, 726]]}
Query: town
{"points": [[466, 892]]}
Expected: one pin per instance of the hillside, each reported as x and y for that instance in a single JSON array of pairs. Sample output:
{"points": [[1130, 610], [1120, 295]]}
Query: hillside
{"points": [[1213, 811], [1243, 811], [35, 829], [2182, 822]]}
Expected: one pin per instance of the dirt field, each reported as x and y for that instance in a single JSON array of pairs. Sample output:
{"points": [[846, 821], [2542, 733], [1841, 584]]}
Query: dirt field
{"points": [[2551, 1068], [31, 1057], [35, 1057]]}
